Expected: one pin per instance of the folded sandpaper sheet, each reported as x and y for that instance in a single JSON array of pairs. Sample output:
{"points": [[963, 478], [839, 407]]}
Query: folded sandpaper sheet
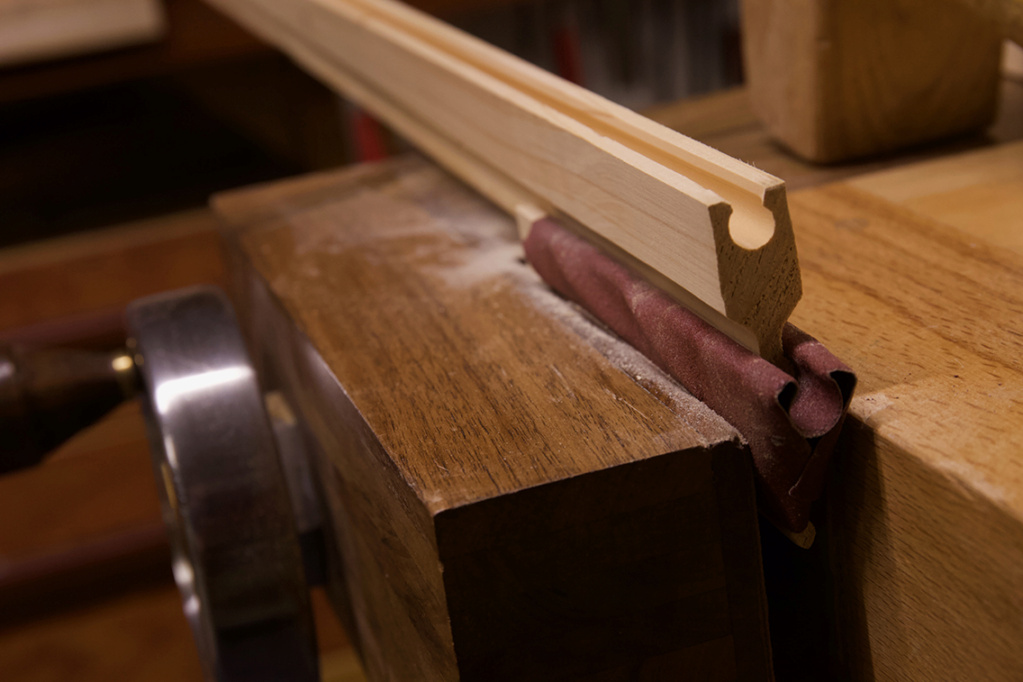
{"points": [[790, 421]]}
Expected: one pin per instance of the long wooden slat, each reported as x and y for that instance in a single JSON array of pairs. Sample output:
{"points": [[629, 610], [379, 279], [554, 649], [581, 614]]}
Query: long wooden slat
{"points": [[712, 230]]}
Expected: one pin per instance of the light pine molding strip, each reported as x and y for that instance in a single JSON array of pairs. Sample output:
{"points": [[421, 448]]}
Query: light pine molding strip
{"points": [[710, 230]]}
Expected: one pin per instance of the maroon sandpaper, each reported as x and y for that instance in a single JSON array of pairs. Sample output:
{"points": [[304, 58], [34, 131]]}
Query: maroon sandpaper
{"points": [[791, 422]]}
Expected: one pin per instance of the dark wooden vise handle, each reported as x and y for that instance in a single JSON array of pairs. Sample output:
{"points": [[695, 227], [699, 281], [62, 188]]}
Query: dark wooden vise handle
{"points": [[48, 395]]}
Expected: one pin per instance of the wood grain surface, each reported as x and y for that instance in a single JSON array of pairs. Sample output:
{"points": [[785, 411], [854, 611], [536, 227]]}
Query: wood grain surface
{"points": [[514, 494], [839, 80], [979, 193], [713, 230], [927, 506]]}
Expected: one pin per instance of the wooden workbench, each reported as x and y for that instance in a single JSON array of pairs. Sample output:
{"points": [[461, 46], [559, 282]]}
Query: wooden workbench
{"points": [[911, 277], [512, 492], [911, 272], [915, 278], [918, 518]]}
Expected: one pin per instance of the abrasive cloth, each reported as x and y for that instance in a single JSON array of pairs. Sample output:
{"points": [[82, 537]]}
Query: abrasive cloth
{"points": [[790, 421]]}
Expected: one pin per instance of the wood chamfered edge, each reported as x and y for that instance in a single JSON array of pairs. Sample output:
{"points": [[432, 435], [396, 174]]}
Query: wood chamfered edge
{"points": [[696, 218]]}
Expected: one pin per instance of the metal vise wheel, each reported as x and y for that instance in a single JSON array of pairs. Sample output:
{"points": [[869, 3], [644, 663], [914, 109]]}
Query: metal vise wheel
{"points": [[236, 553]]}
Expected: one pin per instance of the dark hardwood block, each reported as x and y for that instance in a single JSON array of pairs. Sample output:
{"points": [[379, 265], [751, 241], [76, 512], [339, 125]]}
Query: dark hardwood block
{"points": [[512, 493]]}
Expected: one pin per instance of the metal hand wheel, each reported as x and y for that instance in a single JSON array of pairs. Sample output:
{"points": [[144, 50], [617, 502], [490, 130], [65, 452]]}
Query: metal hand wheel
{"points": [[237, 558], [236, 554]]}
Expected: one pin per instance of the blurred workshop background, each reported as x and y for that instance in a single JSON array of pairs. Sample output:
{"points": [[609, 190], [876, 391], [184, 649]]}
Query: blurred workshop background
{"points": [[115, 110]]}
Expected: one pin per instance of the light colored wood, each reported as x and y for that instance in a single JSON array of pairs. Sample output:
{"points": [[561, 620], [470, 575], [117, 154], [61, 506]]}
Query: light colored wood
{"points": [[979, 193], [514, 494], [920, 540], [926, 509], [725, 120], [714, 227], [927, 554], [35, 30], [837, 80], [707, 116]]}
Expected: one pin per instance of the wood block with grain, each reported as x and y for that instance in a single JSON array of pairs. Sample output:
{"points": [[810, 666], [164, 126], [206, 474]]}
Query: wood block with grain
{"points": [[914, 276], [512, 493], [837, 80]]}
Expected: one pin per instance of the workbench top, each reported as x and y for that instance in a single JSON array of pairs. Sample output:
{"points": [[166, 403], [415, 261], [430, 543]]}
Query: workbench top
{"points": [[914, 277], [513, 492], [930, 504]]}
